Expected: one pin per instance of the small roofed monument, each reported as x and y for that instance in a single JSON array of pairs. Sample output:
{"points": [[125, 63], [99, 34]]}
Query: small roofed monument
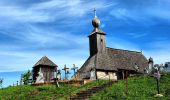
{"points": [[109, 63], [44, 70]]}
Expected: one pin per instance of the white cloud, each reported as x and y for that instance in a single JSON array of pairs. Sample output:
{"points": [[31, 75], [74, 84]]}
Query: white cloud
{"points": [[20, 61], [37, 38], [20, 14], [141, 12], [137, 35], [49, 11], [30, 36]]}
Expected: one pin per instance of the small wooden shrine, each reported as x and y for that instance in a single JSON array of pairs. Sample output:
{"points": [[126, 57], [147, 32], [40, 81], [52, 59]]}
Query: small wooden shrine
{"points": [[44, 70]]}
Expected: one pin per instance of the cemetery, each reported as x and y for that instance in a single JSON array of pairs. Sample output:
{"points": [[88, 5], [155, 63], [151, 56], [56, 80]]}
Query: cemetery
{"points": [[107, 74]]}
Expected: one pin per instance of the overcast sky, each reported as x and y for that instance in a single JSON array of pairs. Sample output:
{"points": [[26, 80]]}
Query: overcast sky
{"points": [[30, 29]]}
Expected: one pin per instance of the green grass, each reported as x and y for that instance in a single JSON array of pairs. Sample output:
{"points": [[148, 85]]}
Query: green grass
{"points": [[139, 88], [50, 92]]}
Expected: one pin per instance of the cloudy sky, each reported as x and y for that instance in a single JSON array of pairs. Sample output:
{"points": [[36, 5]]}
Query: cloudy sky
{"points": [[30, 29]]}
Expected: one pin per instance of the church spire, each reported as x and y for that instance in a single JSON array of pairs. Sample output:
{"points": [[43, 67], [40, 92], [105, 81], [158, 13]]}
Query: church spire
{"points": [[97, 37]]}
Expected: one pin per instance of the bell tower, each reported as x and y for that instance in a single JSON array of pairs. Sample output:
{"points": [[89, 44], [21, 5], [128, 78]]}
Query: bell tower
{"points": [[97, 39]]}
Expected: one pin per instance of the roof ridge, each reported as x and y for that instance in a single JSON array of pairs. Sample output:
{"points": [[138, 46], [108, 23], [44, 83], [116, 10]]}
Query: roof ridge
{"points": [[123, 50]]}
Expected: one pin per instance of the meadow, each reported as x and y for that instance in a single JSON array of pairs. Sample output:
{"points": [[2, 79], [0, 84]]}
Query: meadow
{"points": [[47, 92], [140, 87]]}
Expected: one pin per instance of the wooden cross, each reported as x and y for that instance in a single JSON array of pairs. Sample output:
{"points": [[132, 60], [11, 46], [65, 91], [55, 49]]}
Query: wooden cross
{"points": [[65, 69], [74, 68]]}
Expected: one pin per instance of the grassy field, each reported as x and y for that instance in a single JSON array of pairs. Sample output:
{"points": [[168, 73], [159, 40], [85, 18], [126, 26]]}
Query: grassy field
{"points": [[139, 88], [50, 92]]}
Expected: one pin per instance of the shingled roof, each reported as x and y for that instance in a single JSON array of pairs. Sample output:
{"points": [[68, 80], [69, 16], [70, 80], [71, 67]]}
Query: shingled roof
{"points": [[115, 59], [46, 62], [125, 59]]}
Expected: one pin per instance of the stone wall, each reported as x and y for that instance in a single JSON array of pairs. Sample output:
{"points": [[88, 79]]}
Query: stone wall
{"points": [[106, 75]]}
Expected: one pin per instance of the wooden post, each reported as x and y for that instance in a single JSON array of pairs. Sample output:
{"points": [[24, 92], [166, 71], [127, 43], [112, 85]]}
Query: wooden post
{"points": [[126, 78], [157, 80], [17, 83], [109, 79], [157, 76], [123, 73], [45, 76], [49, 75], [157, 85]]}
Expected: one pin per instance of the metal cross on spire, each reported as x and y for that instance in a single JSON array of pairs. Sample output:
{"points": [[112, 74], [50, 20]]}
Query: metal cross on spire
{"points": [[95, 12]]}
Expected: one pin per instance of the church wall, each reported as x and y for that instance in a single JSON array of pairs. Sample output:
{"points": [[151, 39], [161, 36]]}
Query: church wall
{"points": [[106, 75]]}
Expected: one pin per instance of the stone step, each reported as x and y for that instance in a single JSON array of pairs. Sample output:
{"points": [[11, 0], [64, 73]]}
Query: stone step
{"points": [[83, 95], [88, 92], [77, 98], [91, 90]]}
